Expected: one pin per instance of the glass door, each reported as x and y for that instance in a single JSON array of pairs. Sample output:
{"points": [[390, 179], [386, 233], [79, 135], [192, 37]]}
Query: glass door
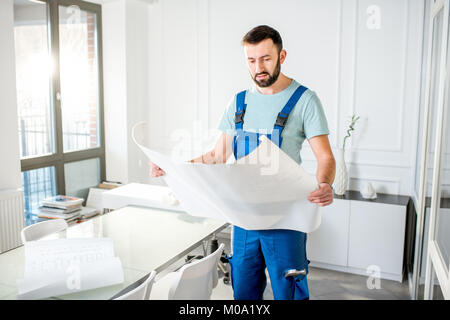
{"points": [[78, 64], [34, 73], [80, 95], [432, 217], [60, 98], [435, 95], [440, 251]]}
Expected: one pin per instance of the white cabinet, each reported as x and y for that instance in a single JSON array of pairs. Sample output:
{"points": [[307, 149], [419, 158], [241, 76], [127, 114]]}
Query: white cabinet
{"points": [[376, 237], [329, 243], [356, 233]]}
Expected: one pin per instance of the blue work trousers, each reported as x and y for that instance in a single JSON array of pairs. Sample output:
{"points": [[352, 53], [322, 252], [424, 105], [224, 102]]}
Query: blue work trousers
{"points": [[278, 250]]}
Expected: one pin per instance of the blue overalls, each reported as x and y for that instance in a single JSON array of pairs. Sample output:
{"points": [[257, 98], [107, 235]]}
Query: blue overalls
{"points": [[279, 250]]}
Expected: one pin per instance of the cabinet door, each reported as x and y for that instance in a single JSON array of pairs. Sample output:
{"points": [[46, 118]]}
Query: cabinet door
{"points": [[377, 234], [329, 243]]}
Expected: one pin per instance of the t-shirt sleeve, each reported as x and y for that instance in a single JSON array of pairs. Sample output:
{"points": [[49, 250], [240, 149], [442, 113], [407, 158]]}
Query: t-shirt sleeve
{"points": [[314, 119], [226, 124]]}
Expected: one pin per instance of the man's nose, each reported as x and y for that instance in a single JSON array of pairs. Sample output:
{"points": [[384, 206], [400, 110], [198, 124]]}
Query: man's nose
{"points": [[259, 67]]}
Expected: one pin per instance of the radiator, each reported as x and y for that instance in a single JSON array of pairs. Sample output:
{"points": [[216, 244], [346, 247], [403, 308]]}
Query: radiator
{"points": [[12, 218]]}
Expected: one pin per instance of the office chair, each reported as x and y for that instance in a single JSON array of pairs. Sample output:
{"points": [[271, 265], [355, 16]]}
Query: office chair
{"points": [[142, 292], [42, 229], [194, 281], [223, 264]]}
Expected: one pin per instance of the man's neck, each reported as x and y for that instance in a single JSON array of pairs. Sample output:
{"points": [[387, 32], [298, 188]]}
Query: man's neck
{"points": [[282, 83]]}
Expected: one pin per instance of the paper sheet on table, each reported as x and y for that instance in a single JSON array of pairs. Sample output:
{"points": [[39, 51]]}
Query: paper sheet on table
{"points": [[62, 266], [264, 190]]}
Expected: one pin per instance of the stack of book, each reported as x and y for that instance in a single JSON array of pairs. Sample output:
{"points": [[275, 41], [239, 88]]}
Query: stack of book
{"points": [[61, 207], [109, 185]]}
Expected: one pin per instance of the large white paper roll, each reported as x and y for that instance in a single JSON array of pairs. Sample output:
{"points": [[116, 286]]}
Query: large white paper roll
{"points": [[264, 190]]}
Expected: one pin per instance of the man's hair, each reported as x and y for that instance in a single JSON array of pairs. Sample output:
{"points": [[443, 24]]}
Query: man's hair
{"points": [[260, 33]]}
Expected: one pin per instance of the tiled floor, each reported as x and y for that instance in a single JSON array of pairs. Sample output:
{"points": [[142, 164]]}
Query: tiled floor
{"points": [[326, 285], [437, 293], [332, 285]]}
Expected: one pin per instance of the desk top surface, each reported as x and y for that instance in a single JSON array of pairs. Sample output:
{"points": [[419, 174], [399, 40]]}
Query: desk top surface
{"points": [[145, 239], [139, 194]]}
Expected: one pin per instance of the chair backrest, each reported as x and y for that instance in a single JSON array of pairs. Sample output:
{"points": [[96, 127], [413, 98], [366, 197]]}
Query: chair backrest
{"points": [[42, 229], [142, 292], [196, 280]]}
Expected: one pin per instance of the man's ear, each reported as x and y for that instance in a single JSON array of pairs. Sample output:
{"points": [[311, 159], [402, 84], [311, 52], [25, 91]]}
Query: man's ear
{"points": [[283, 54]]}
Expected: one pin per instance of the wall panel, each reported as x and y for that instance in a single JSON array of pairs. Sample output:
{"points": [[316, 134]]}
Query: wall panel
{"points": [[196, 65]]}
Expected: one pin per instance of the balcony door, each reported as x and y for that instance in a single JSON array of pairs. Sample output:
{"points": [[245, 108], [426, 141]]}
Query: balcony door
{"points": [[434, 194], [60, 100]]}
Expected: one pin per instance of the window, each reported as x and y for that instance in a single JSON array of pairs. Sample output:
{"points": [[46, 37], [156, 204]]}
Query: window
{"points": [[60, 100]]}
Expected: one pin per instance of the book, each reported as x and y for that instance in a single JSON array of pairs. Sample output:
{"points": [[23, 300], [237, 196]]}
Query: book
{"points": [[109, 185], [58, 210], [88, 212], [61, 201], [66, 216]]}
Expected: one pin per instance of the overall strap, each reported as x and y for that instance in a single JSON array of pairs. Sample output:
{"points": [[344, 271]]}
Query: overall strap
{"points": [[284, 114], [240, 110]]}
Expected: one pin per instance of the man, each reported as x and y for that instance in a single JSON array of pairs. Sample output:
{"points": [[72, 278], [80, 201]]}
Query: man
{"points": [[290, 113]]}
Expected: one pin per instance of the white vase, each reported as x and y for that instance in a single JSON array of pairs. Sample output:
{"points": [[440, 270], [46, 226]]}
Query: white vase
{"points": [[341, 178]]}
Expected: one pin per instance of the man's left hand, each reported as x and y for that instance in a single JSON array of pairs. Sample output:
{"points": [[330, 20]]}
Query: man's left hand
{"points": [[323, 196]]}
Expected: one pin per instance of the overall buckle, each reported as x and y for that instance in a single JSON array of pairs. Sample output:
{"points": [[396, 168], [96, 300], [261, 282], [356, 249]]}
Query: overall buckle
{"points": [[239, 117], [281, 119]]}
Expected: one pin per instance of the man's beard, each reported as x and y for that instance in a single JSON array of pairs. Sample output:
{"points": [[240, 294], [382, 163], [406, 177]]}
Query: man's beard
{"points": [[271, 78]]}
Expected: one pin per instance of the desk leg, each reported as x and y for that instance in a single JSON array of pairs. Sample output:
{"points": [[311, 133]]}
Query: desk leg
{"points": [[205, 247]]}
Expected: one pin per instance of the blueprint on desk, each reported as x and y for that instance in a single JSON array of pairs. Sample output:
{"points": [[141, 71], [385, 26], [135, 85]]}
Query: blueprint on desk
{"points": [[62, 266]]}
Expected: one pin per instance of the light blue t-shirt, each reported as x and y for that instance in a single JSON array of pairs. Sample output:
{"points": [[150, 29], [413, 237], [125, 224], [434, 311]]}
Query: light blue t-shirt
{"points": [[305, 121]]}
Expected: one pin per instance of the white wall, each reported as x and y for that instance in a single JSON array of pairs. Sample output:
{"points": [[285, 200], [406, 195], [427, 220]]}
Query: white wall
{"points": [[125, 86], [137, 83], [10, 177], [176, 63], [114, 85], [196, 64]]}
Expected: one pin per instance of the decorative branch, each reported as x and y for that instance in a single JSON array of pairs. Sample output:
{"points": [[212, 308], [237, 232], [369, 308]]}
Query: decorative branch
{"points": [[350, 129]]}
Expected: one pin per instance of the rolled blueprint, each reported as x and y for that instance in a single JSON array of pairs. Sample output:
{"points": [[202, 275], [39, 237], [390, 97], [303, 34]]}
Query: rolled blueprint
{"points": [[264, 190]]}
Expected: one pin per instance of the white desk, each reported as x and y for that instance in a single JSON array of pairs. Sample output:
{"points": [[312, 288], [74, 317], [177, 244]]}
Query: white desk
{"points": [[138, 194], [145, 239]]}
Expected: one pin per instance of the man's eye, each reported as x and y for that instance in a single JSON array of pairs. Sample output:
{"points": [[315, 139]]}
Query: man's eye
{"points": [[266, 59]]}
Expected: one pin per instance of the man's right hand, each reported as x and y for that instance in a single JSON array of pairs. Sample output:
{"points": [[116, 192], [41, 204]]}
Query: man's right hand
{"points": [[219, 154], [155, 171]]}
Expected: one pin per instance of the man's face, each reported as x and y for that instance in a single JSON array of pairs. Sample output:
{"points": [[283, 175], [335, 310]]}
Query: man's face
{"points": [[264, 62]]}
